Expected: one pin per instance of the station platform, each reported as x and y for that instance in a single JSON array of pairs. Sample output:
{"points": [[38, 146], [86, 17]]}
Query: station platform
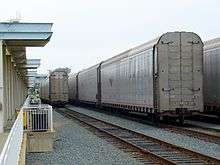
{"points": [[3, 138], [32, 131]]}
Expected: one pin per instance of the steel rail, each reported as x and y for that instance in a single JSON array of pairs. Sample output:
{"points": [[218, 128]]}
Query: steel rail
{"points": [[203, 134]]}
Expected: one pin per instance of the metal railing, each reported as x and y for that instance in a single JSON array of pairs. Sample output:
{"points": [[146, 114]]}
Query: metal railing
{"points": [[30, 118], [38, 118], [11, 150]]}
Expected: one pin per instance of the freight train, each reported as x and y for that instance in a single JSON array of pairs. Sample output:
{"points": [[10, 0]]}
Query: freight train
{"points": [[54, 89], [212, 76], [162, 78]]}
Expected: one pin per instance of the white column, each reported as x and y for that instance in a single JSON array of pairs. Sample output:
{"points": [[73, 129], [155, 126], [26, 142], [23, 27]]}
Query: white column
{"points": [[11, 112], [7, 94], [11, 87], [1, 89]]}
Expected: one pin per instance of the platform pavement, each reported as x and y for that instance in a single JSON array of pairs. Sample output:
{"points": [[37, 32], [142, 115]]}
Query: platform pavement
{"points": [[3, 138]]}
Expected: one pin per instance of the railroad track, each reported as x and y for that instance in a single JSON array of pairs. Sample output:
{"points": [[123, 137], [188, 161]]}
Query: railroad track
{"points": [[205, 134], [158, 151]]}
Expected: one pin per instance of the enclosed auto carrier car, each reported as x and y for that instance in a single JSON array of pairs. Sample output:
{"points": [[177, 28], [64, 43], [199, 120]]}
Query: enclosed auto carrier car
{"points": [[163, 77]]}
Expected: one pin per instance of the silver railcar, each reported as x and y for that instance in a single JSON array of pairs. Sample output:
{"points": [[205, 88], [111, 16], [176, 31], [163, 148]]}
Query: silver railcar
{"points": [[212, 76], [87, 85], [54, 89], [163, 77], [44, 90], [58, 86], [72, 82]]}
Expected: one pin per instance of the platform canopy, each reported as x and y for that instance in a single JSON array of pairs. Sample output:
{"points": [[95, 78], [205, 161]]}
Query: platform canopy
{"points": [[31, 64], [19, 35], [30, 67], [31, 73], [25, 34]]}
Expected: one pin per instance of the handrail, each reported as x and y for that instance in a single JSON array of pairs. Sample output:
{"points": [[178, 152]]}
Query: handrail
{"points": [[30, 118], [9, 154]]}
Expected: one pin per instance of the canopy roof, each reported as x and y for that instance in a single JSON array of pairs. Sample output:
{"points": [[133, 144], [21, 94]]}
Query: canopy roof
{"points": [[25, 34], [19, 35]]}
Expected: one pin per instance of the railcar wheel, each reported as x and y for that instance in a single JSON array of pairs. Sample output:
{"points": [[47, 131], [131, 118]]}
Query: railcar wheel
{"points": [[181, 120], [156, 119]]}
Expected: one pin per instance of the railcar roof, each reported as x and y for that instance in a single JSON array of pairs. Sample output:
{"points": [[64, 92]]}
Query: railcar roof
{"points": [[73, 75], [129, 52], [211, 44], [87, 69], [65, 70]]}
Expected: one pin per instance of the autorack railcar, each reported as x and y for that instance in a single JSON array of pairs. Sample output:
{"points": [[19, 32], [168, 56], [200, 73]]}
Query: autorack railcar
{"points": [[163, 77], [72, 83], [87, 85], [212, 76], [44, 90], [56, 87]]}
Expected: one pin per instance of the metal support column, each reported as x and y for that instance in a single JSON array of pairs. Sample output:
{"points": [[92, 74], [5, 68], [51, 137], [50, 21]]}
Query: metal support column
{"points": [[9, 82], [5, 84], [1, 88]]}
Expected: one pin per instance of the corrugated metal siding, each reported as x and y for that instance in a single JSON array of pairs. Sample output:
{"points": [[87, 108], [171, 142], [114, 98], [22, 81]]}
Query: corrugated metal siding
{"points": [[87, 84], [44, 89], [129, 81], [72, 87], [59, 86], [212, 72]]}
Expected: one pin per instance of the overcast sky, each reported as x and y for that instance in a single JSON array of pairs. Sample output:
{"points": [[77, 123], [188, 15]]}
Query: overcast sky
{"points": [[86, 32]]}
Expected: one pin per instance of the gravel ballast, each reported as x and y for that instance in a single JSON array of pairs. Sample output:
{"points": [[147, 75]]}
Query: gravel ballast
{"points": [[76, 145], [207, 148]]}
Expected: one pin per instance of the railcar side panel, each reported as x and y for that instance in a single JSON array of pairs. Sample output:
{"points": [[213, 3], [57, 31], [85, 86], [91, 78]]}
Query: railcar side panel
{"points": [[129, 81], [212, 74], [72, 88], [87, 85], [44, 90]]}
